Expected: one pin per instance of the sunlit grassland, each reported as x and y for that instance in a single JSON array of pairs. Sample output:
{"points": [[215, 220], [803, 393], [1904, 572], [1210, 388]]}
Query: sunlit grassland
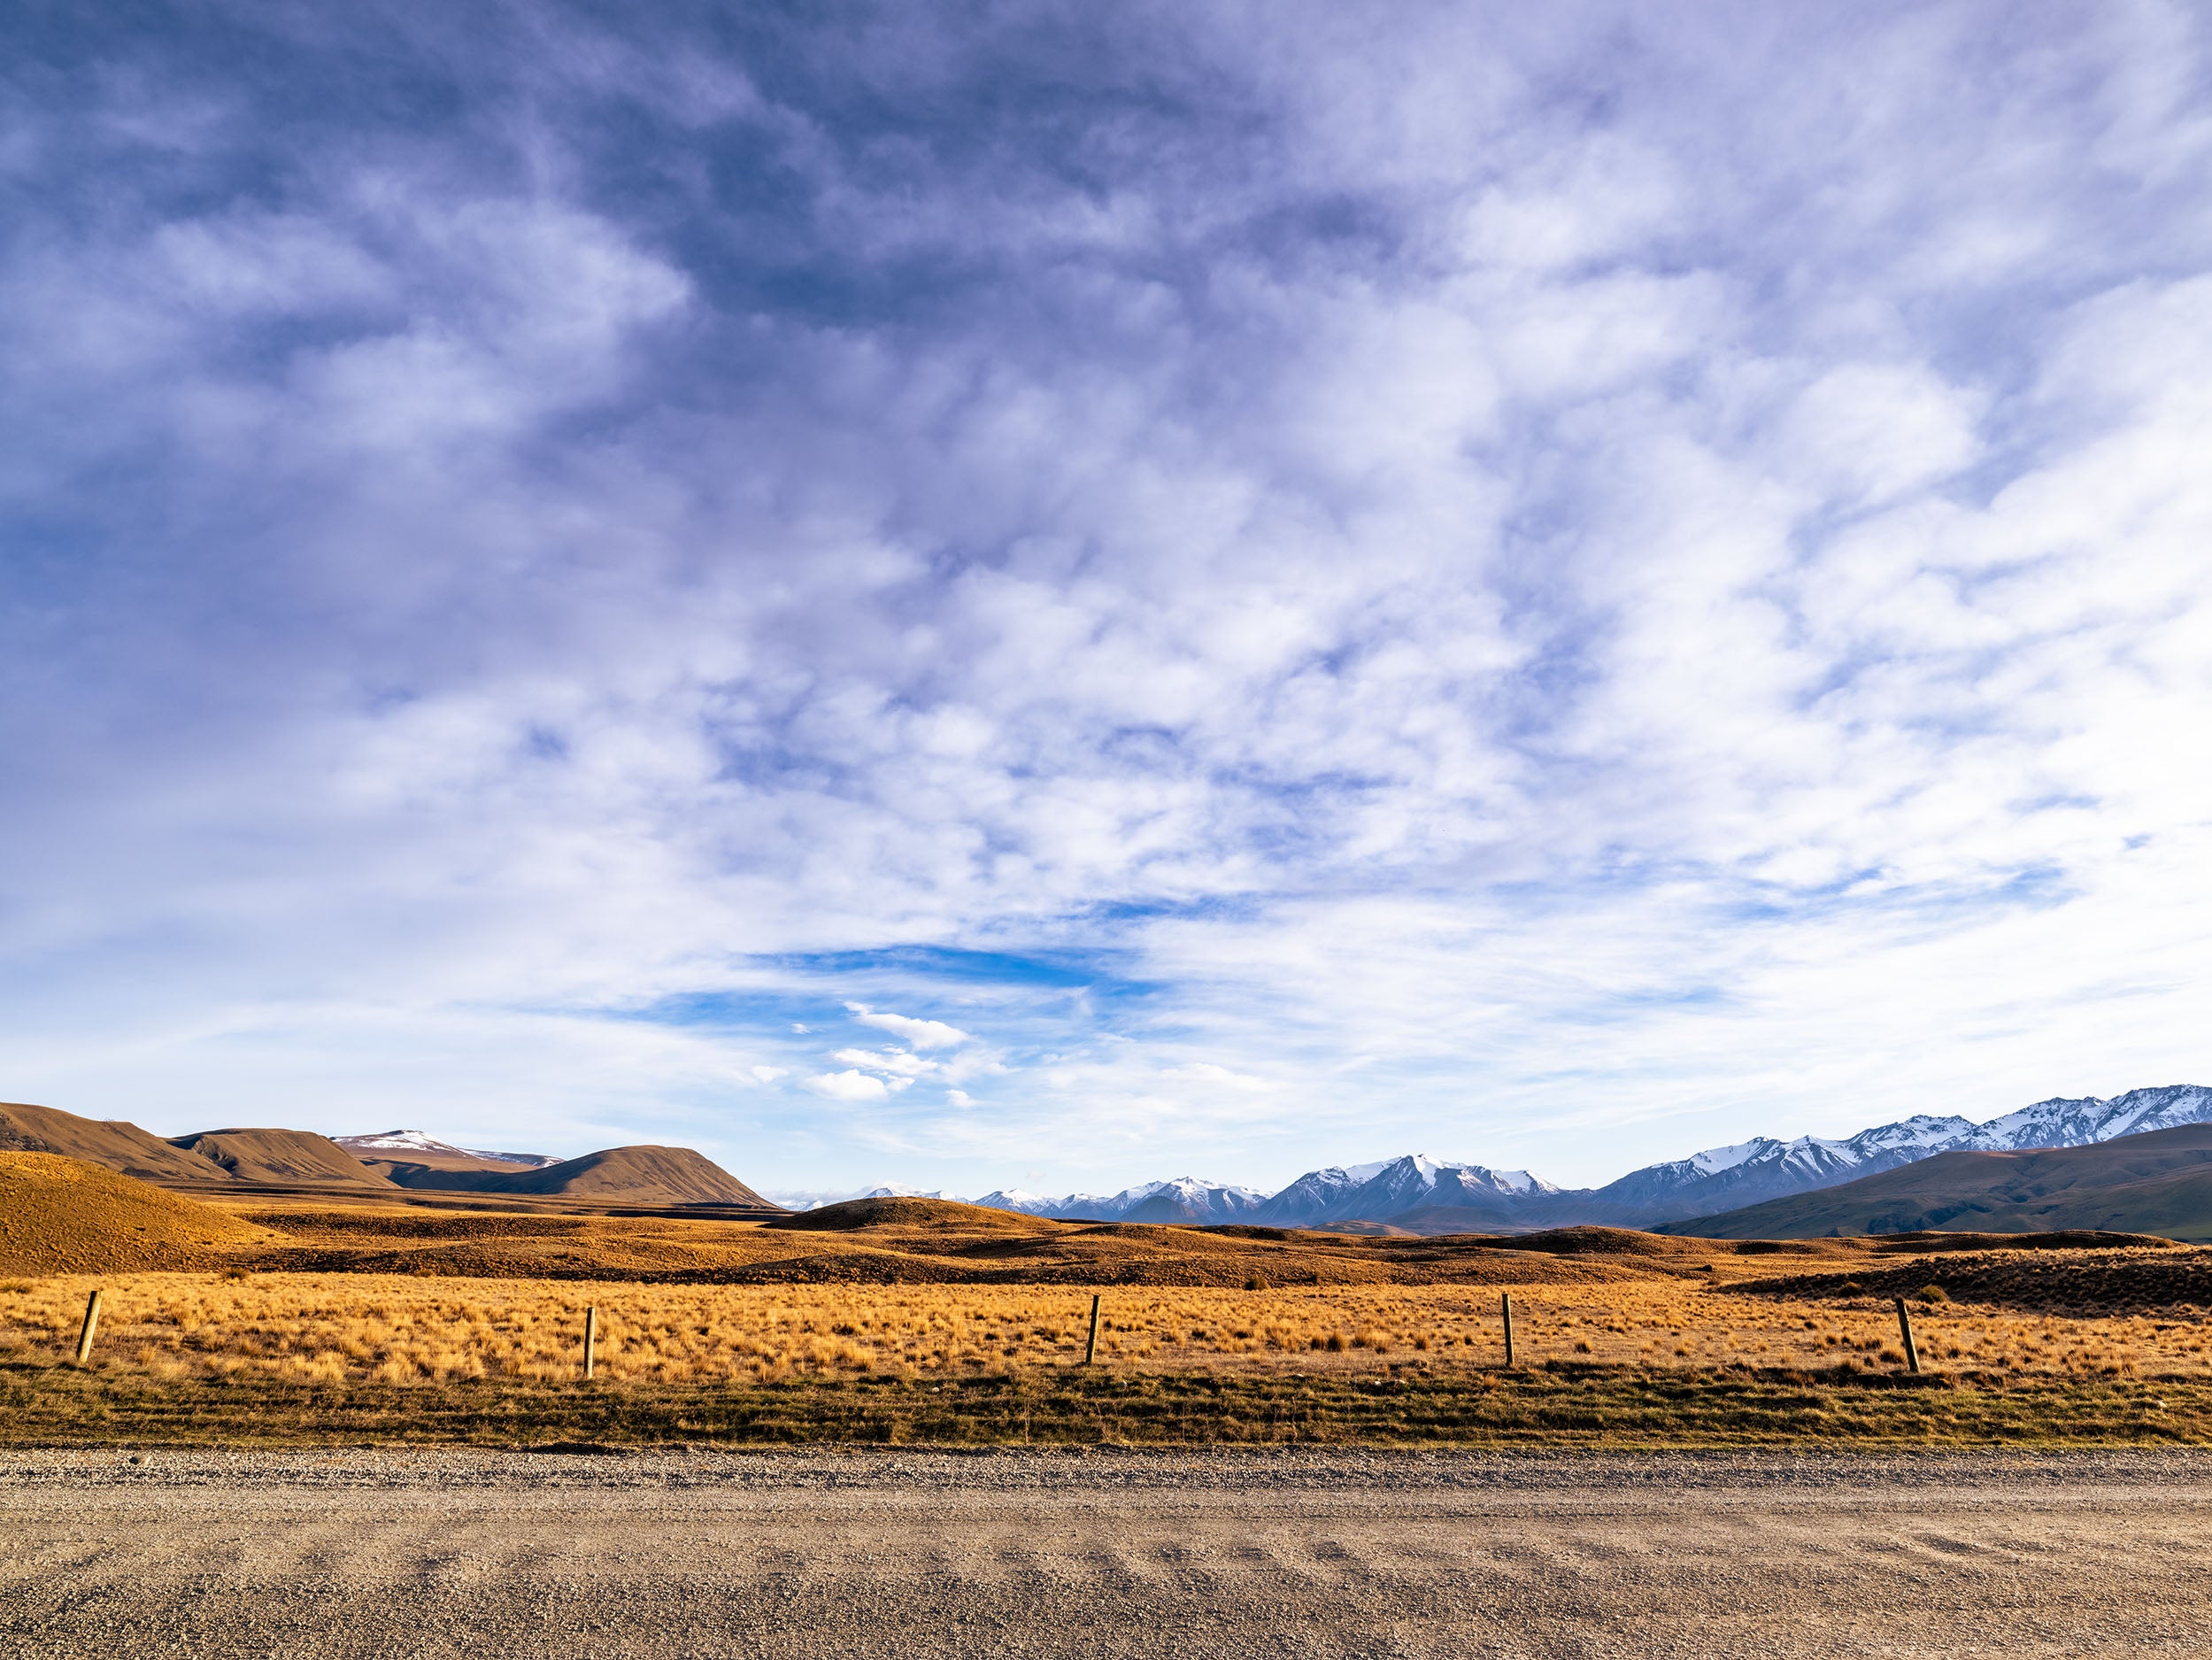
{"points": [[400, 1330], [352, 1357]]}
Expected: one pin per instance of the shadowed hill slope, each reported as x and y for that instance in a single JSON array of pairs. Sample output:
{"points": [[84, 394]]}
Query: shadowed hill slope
{"points": [[63, 1216], [389, 1165], [285, 1156], [118, 1146], [2159, 1183], [639, 1175], [940, 1216]]}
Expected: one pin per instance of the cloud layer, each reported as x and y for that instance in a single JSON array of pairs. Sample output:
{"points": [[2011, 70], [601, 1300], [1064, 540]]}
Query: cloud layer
{"points": [[1075, 591]]}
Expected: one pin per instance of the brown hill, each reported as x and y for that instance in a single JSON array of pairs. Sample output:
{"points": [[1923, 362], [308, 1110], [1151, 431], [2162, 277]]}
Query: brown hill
{"points": [[634, 1176], [282, 1156], [118, 1146], [63, 1216], [2160, 1182], [936, 1216]]}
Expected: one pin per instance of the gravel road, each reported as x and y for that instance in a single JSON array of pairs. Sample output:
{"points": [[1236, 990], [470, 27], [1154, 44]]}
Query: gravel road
{"points": [[1102, 1553]]}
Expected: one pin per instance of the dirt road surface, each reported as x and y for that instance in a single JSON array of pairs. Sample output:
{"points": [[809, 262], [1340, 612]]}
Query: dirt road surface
{"points": [[1105, 1553]]}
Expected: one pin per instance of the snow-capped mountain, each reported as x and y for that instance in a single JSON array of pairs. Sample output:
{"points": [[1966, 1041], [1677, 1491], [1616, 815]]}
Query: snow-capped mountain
{"points": [[1473, 1197], [1044, 1205], [395, 1143], [2059, 1122], [1377, 1192], [1186, 1199], [1722, 1178], [1316, 1193]]}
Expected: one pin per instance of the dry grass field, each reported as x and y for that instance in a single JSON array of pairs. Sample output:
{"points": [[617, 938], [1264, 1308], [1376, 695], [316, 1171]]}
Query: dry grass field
{"points": [[909, 1317], [407, 1329]]}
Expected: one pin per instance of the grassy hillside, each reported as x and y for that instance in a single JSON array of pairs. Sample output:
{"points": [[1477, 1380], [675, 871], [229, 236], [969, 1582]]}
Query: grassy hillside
{"points": [[284, 1156], [291, 1159], [639, 1175], [2159, 1184], [61, 1216], [118, 1146]]}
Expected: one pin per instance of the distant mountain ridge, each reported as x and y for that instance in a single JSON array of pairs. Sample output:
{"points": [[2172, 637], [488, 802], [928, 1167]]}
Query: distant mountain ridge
{"points": [[2148, 1181], [1451, 1197], [1186, 1199], [1727, 1179]]}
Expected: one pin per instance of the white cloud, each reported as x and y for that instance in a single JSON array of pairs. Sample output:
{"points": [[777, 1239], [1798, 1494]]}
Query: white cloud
{"points": [[1492, 622], [848, 1086], [923, 1034], [897, 1061]]}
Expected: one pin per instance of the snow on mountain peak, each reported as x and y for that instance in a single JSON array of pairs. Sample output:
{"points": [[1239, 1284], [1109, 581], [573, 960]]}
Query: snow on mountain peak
{"points": [[411, 1140], [1713, 1160]]}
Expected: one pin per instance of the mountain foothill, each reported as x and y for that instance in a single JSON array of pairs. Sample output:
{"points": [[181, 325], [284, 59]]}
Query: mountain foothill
{"points": [[398, 1165]]}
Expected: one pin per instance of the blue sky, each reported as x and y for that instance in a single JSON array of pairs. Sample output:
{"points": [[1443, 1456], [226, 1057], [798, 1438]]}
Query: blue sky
{"points": [[1065, 595]]}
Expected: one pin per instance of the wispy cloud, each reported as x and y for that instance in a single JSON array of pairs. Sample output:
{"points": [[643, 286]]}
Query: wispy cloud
{"points": [[1533, 570]]}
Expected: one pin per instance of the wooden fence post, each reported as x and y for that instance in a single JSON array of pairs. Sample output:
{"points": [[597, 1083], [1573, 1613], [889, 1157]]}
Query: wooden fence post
{"points": [[1091, 1349], [1905, 1328], [590, 1337], [1504, 1309], [91, 1327]]}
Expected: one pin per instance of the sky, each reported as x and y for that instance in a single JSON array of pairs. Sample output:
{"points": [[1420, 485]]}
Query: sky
{"points": [[1053, 595]]}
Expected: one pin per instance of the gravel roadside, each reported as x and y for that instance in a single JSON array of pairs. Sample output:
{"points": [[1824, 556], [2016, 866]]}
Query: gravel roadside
{"points": [[330, 1555]]}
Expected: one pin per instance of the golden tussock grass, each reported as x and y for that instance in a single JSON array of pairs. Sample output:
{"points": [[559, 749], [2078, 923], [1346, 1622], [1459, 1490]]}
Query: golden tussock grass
{"points": [[61, 1216], [403, 1329]]}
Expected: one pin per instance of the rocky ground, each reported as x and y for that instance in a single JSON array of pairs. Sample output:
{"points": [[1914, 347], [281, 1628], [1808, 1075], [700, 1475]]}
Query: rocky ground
{"points": [[1236, 1552]]}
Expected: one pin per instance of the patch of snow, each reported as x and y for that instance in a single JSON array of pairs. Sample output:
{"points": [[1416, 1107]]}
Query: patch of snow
{"points": [[1713, 1160], [413, 1140]]}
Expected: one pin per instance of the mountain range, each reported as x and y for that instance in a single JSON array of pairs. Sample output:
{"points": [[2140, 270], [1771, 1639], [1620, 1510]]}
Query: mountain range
{"points": [[1411, 1194], [2155, 1181], [1424, 1195]]}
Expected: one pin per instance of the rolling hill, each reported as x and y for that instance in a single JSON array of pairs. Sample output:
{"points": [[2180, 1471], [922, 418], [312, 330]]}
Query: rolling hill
{"points": [[65, 1216], [113, 1143], [640, 1175], [2159, 1182], [282, 1156], [289, 1158]]}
